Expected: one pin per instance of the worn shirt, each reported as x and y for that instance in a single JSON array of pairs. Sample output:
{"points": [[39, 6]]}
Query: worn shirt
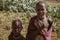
{"points": [[33, 31], [11, 37]]}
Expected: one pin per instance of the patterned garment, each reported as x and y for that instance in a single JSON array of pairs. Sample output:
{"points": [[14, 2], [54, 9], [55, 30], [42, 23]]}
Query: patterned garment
{"points": [[32, 31], [48, 34]]}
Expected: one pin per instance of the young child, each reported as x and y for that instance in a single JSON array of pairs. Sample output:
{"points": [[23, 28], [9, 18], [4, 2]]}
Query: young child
{"points": [[39, 25], [16, 29]]}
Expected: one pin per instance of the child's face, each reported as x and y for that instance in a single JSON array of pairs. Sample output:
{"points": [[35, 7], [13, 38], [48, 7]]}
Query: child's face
{"points": [[41, 10], [16, 28]]}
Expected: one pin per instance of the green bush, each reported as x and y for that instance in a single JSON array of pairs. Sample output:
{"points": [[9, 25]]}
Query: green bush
{"points": [[18, 5], [29, 6]]}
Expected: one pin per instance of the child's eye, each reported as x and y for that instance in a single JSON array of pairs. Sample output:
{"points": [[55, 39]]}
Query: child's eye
{"points": [[19, 27], [15, 28], [38, 10], [42, 9]]}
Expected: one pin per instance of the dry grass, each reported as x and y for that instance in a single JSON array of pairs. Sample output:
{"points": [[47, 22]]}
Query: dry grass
{"points": [[6, 19], [53, 3]]}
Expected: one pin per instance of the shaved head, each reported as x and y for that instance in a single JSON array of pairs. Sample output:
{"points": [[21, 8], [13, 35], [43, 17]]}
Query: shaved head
{"points": [[40, 3], [16, 23], [16, 27]]}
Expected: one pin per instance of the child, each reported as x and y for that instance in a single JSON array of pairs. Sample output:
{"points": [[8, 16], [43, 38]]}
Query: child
{"points": [[16, 29], [39, 25]]}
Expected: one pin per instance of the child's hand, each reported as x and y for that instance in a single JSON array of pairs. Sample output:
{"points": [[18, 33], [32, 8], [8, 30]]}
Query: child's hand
{"points": [[43, 31]]}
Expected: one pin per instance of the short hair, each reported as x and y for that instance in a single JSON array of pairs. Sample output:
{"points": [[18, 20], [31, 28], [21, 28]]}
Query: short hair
{"points": [[40, 2], [17, 21]]}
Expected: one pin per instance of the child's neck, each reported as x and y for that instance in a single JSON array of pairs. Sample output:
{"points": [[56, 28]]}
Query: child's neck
{"points": [[16, 35], [41, 18]]}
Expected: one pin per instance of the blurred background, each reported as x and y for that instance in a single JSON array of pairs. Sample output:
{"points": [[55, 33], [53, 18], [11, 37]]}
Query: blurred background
{"points": [[24, 10]]}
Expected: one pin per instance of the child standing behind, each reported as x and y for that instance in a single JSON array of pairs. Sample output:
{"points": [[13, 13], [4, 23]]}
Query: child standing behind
{"points": [[40, 27], [16, 29]]}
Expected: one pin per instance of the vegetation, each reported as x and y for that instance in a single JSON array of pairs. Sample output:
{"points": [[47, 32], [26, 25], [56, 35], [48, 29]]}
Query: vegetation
{"points": [[24, 10]]}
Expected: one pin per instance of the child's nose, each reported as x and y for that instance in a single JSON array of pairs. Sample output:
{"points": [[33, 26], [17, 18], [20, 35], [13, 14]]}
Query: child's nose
{"points": [[41, 11], [17, 30]]}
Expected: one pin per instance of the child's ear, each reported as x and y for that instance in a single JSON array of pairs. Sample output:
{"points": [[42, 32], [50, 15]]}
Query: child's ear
{"points": [[11, 27]]}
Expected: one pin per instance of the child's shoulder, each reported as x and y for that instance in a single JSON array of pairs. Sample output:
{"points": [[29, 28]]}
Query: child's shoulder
{"points": [[33, 18], [50, 20], [10, 36]]}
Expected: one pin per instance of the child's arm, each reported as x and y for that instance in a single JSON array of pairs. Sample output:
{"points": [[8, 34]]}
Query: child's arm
{"points": [[46, 30], [50, 23]]}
